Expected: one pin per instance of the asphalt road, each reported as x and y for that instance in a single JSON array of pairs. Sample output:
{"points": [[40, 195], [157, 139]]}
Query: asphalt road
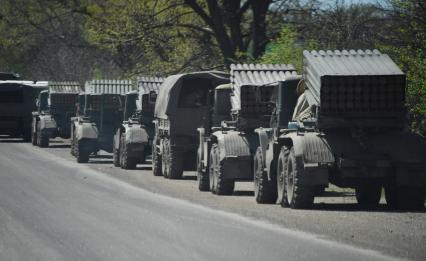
{"points": [[52, 208]]}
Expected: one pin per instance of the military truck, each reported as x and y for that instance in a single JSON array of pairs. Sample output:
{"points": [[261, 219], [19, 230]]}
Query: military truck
{"points": [[219, 111], [94, 128], [283, 101], [228, 153], [181, 108], [17, 101], [55, 107], [349, 129], [133, 141]]}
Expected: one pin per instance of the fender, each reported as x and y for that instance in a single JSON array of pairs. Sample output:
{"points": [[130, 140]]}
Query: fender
{"points": [[233, 145], [34, 122], [309, 147], [136, 133], [264, 138], [47, 123], [202, 150], [85, 130], [116, 138]]}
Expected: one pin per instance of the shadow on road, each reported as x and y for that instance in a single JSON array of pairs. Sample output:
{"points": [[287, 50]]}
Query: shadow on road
{"points": [[59, 146], [326, 194], [241, 193], [144, 168], [189, 177], [102, 157], [356, 207], [91, 161]]}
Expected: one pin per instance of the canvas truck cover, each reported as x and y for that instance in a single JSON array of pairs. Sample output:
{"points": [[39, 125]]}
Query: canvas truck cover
{"points": [[255, 75], [146, 85], [108, 87], [167, 99], [354, 83]]}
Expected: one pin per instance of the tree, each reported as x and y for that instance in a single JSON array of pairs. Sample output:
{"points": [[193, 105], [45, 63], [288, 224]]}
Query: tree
{"points": [[44, 39], [407, 45], [226, 19]]}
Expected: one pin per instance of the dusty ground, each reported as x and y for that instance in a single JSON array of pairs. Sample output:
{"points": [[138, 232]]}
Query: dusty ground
{"points": [[335, 215]]}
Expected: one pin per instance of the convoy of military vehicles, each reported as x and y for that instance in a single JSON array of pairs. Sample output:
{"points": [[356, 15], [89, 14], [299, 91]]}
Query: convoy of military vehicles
{"points": [[342, 121]]}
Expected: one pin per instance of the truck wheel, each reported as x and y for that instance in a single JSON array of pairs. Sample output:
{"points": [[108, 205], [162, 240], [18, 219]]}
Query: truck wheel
{"points": [[156, 161], [34, 136], [126, 161], [298, 195], [82, 153], [222, 186], [73, 146], [282, 196], [368, 194], [42, 138], [115, 154], [202, 176], [405, 198], [265, 190], [172, 162]]}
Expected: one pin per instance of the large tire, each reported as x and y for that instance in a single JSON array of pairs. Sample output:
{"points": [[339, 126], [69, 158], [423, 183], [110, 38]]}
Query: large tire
{"points": [[74, 146], [368, 194], [156, 160], [405, 198], [42, 138], [265, 190], [281, 164], [172, 161], [34, 134], [126, 161], [298, 195], [221, 185], [202, 176], [82, 153], [116, 152]]}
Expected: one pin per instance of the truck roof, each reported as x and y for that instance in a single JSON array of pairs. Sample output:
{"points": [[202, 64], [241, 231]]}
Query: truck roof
{"points": [[108, 86], [319, 65], [64, 87], [171, 87], [257, 75]]}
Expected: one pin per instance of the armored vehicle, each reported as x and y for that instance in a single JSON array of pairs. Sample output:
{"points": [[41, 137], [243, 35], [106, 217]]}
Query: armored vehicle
{"points": [[181, 107], [17, 101], [55, 107], [133, 141], [349, 129], [100, 117], [220, 111], [228, 154]]}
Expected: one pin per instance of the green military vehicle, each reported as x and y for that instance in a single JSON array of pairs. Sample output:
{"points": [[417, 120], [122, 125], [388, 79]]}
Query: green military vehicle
{"points": [[133, 140], [220, 111], [55, 107], [17, 101], [97, 121], [349, 128], [181, 107], [228, 153]]}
